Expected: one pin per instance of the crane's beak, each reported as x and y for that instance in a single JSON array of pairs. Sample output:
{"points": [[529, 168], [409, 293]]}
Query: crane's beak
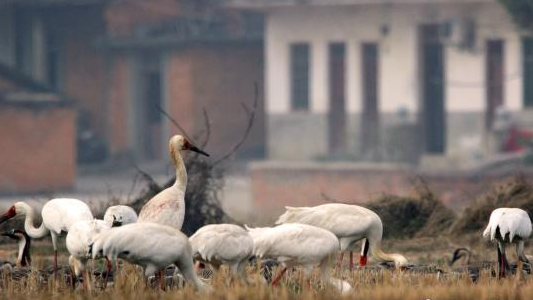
{"points": [[10, 234], [195, 149]]}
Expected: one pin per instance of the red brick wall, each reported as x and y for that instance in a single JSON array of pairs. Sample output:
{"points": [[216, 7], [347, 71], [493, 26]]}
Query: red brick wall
{"points": [[224, 76], [123, 15], [38, 148], [279, 184], [84, 68], [118, 106], [179, 83]]}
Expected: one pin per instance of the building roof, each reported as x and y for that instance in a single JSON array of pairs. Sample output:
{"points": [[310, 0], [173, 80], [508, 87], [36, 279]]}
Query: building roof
{"points": [[265, 4]]}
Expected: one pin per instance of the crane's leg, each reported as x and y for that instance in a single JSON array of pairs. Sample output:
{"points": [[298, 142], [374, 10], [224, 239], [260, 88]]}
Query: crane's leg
{"points": [[109, 267], [503, 265], [162, 279], [351, 260], [54, 243], [520, 252], [278, 276], [339, 260], [364, 253]]}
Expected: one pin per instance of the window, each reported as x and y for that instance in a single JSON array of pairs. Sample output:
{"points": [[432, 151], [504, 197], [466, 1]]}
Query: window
{"points": [[300, 76], [527, 60]]}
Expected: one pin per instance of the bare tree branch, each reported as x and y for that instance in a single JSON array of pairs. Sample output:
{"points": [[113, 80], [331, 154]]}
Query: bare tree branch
{"points": [[161, 110], [207, 125], [251, 118]]}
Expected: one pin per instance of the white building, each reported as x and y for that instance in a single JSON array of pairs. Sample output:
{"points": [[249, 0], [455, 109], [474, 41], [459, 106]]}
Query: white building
{"points": [[415, 76]]}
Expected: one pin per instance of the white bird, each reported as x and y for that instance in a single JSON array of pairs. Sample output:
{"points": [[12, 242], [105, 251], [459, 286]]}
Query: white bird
{"points": [[227, 244], [119, 215], [350, 223], [152, 246], [57, 215], [299, 245], [79, 238], [507, 225], [168, 207]]}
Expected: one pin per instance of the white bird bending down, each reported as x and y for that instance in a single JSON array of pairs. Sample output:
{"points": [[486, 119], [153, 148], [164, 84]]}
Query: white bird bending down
{"points": [[350, 223], [507, 225], [168, 207], [152, 246], [219, 244], [58, 215], [299, 244], [119, 215], [79, 238]]}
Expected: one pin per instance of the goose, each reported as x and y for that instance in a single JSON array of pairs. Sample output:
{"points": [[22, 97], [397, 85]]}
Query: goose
{"points": [[152, 246], [58, 215], [227, 244], [350, 223], [505, 226], [298, 245], [168, 207], [119, 215]]}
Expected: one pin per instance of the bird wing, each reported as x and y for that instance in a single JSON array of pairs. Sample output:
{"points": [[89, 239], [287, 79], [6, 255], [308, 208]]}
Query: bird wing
{"points": [[512, 221], [223, 242], [166, 208], [61, 213], [341, 219], [294, 241]]}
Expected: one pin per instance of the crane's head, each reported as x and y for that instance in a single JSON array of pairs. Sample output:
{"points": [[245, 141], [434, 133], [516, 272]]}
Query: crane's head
{"points": [[179, 142], [10, 213]]}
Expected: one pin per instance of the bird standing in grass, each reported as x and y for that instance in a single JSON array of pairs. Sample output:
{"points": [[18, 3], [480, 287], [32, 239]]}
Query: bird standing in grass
{"points": [[227, 244], [299, 245], [168, 207], [508, 225], [79, 238], [152, 246], [58, 216], [350, 223]]}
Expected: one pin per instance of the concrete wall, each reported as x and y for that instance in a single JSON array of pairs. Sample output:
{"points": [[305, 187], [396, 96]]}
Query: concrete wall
{"points": [[398, 67], [38, 150]]}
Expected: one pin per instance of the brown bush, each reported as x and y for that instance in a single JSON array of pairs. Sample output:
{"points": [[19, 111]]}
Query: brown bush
{"points": [[406, 217], [514, 192]]}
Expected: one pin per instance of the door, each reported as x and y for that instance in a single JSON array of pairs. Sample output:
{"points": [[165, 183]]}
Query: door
{"points": [[370, 117], [494, 79], [432, 85], [336, 117]]}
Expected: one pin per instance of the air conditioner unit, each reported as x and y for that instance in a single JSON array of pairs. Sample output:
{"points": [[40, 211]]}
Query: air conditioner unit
{"points": [[459, 33]]}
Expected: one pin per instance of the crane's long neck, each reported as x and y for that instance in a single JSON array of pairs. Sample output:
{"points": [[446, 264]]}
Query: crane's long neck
{"points": [[378, 254], [24, 258], [181, 172], [31, 230]]}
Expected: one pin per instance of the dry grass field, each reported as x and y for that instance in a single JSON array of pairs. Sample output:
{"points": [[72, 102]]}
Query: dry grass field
{"points": [[366, 283]]}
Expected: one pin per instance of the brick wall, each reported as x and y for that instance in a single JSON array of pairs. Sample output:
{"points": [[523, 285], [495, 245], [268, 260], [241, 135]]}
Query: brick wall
{"points": [[84, 67], [279, 184], [118, 106], [38, 147], [224, 76]]}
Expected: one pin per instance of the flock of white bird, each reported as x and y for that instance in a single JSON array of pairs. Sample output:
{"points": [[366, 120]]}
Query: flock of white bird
{"points": [[307, 237]]}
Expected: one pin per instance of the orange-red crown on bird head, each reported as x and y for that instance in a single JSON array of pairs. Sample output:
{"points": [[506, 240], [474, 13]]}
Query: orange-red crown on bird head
{"points": [[10, 213]]}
